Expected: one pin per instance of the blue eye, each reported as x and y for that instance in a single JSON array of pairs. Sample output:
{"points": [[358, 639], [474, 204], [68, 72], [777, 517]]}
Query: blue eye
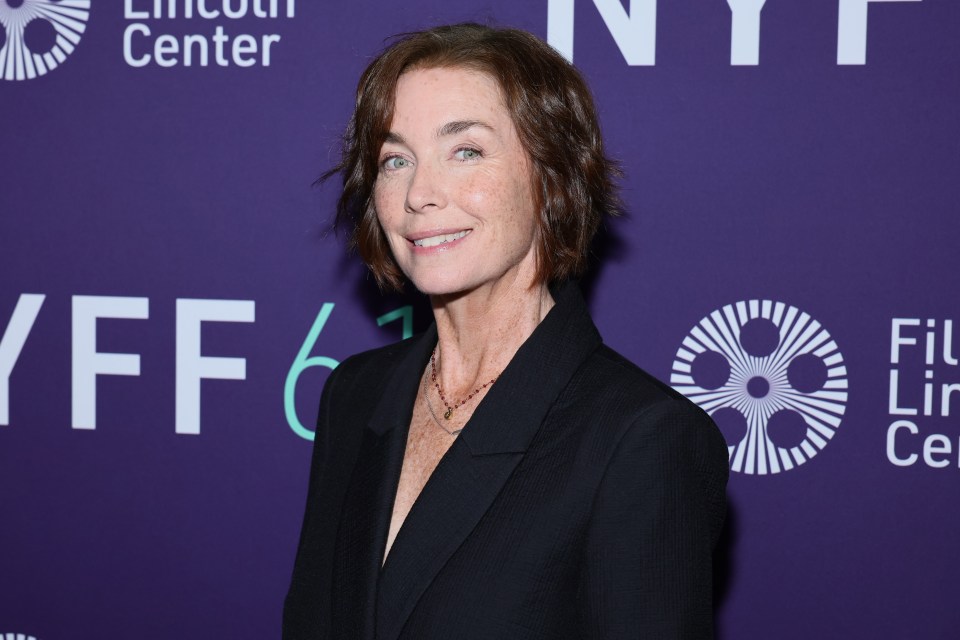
{"points": [[468, 153], [395, 162]]}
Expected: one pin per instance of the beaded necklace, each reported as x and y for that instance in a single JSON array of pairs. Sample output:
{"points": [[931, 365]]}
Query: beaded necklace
{"points": [[436, 382]]}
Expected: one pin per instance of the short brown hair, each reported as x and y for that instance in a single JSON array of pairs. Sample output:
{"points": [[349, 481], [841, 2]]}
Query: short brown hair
{"points": [[552, 111]]}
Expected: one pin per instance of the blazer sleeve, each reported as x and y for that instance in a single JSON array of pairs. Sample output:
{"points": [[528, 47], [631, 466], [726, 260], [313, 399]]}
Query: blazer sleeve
{"points": [[655, 521], [304, 613]]}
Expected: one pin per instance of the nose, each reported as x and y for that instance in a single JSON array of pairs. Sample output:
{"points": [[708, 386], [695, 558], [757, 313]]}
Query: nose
{"points": [[426, 189]]}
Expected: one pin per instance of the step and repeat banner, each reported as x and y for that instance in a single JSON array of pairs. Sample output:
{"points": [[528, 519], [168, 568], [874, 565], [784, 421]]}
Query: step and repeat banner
{"points": [[172, 297]]}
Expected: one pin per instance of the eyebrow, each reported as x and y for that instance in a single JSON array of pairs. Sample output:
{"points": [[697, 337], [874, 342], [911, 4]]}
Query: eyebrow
{"points": [[394, 138], [449, 129], [459, 126]]}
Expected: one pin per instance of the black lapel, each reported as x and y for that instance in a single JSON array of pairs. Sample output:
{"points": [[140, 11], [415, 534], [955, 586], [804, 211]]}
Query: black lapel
{"points": [[368, 503], [473, 471]]}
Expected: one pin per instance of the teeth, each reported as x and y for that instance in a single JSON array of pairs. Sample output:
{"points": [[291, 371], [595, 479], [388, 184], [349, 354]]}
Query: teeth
{"points": [[438, 240]]}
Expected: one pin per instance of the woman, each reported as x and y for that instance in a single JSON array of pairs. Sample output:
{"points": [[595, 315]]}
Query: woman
{"points": [[503, 475]]}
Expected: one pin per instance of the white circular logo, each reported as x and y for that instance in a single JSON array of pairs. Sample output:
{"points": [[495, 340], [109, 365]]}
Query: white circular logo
{"points": [[772, 379], [38, 35]]}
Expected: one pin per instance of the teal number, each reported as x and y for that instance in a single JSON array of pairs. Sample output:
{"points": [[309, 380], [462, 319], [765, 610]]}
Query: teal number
{"points": [[304, 360], [301, 362], [406, 313]]}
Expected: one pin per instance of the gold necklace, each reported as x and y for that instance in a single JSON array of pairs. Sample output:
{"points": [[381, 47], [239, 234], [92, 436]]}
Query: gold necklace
{"points": [[436, 383], [426, 396]]}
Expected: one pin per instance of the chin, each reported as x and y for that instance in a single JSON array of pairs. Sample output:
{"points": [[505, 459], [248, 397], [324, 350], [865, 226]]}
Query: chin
{"points": [[433, 288], [440, 284]]}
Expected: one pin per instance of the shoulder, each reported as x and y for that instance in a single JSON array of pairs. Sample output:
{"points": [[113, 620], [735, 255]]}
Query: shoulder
{"points": [[352, 392], [657, 508], [658, 437], [368, 371], [613, 384], [354, 388], [635, 414]]}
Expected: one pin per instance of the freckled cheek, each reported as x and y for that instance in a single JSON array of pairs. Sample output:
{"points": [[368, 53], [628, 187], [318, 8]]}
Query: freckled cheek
{"points": [[480, 204], [519, 202], [389, 209], [487, 198], [475, 195]]}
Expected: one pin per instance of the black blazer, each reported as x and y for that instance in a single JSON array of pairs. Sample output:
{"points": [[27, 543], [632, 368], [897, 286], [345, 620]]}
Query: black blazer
{"points": [[582, 500]]}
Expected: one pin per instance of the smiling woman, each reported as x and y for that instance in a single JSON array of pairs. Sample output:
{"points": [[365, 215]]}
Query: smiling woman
{"points": [[504, 474], [454, 195]]}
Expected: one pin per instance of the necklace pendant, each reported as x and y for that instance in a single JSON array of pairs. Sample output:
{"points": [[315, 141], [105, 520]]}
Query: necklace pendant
{"points": [[448, 413]]}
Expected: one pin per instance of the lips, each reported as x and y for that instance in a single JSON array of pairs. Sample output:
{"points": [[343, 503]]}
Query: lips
{"points": [[439, 239]]}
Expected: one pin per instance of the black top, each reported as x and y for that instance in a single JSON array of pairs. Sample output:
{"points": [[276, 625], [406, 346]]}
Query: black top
{"points": [[582, 500]]}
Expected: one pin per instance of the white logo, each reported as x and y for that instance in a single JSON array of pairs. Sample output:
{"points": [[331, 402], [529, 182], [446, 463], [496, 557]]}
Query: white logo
{"points": [[16, 636], [770, 376], [39, 35]]}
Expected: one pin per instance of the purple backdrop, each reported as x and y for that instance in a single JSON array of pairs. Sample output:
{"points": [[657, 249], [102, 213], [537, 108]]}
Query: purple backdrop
{"points": [[165, 211]]}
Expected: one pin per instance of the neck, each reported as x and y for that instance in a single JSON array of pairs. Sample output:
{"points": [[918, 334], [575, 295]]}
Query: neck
{"points": [[479, 332]]}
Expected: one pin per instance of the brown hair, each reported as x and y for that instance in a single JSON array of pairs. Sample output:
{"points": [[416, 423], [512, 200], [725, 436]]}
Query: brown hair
{"points": [[552, 111]]}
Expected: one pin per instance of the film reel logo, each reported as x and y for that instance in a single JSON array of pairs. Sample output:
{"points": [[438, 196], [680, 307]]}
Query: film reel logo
{"points": [[38, 35], [771, 377]]}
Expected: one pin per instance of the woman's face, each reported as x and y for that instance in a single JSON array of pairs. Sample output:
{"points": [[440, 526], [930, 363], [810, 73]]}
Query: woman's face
{"points": [[453, 195]]}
